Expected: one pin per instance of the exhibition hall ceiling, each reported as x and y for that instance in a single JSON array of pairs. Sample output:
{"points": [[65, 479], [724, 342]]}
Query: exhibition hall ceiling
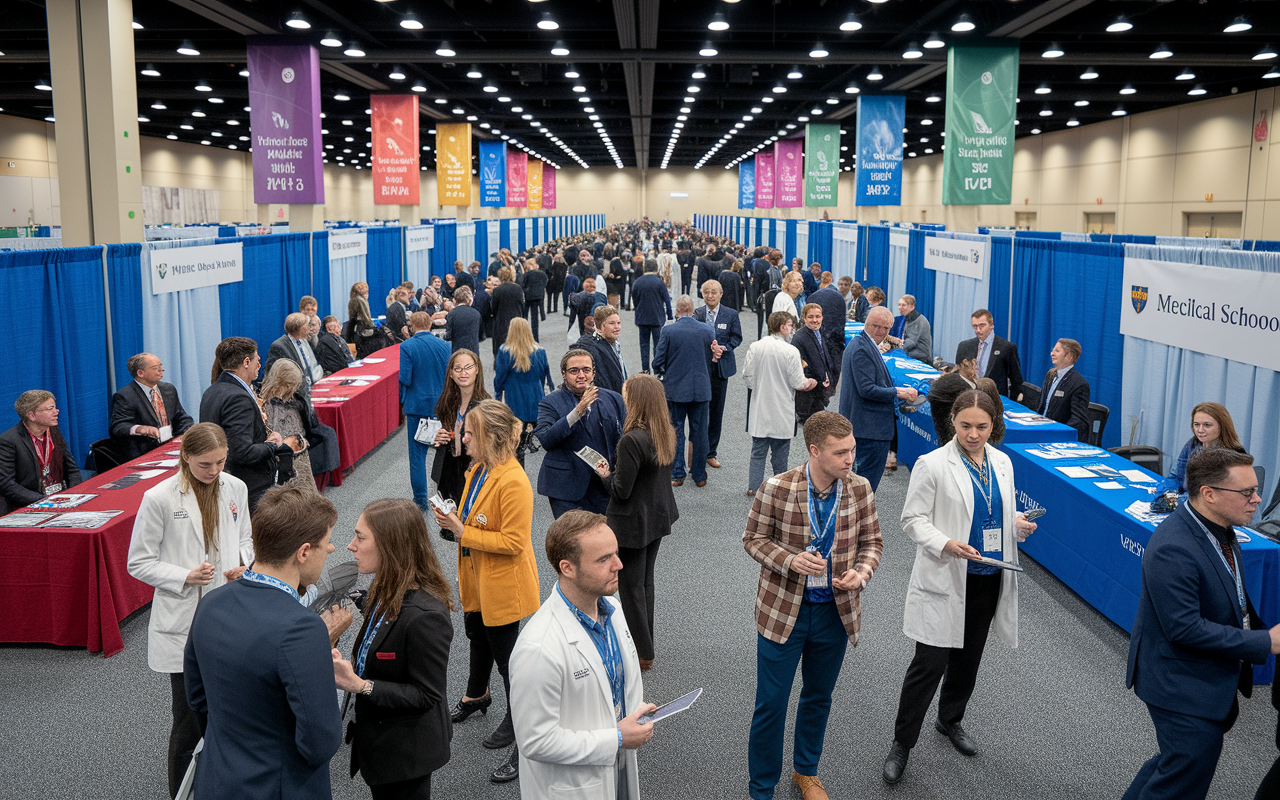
{"points": [[656, 83]]}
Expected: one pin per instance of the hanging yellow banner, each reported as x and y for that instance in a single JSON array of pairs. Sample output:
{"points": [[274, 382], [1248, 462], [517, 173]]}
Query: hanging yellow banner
{"points": [[453, 164], [535, 185]]}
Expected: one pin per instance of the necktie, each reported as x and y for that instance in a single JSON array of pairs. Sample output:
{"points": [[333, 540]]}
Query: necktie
{"points": [[982, 358], [822, 350], [306, 364], [617, 350], [158, 405], [1053, 385]]}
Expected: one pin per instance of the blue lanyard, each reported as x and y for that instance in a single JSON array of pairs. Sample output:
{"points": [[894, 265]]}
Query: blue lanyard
{"points": [[610, 653], [369, 635], [477, 482], [981, 478], [268, 580], [1235, 573], [824, 536]]}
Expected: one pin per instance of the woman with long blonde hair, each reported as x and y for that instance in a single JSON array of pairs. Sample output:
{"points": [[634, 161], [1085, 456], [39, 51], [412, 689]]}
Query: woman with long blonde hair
{"points": [[520, 371], [191, 536], [642, 507]]}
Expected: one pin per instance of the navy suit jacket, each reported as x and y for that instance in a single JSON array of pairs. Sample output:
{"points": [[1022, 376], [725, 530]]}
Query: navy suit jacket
{"points": [[1188, 641], [259, 677], [1072, 408], [563, 475], [867, 394], [683, 358], [608, 368], [249, 457], [728, 333], [462, 329], [833, 314], [423, 360], [649, 296], [130, 406]]}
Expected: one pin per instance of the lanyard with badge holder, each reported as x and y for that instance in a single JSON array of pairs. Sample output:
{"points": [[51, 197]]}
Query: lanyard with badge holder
{"points": [[1235, 573], [992, 529], [473, 491], [824, 536]]}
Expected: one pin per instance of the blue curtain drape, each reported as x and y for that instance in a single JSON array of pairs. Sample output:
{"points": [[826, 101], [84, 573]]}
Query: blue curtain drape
{"points": [[789, 238], [480, 246], [1163, 383], [873, 241], [1000, 264], [53, 349], [320, 288], [1071, 290], [504, 235], [820, 244], [921, 282], [383, 264], [445, 251], [126, 280], [256, 307]]}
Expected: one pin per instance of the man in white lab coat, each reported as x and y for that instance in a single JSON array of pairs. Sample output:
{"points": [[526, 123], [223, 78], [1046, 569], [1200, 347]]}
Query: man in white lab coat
{"points": [[576, 692]]}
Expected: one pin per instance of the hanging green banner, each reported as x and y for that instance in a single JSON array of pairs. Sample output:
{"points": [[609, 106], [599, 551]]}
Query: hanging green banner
{"points": [[821, 164], [982, 89]]}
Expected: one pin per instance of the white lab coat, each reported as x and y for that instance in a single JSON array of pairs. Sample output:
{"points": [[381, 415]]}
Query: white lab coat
{"points": [[562, 707], [940, 506], [785, 302], [168, 542], [773, 371]]}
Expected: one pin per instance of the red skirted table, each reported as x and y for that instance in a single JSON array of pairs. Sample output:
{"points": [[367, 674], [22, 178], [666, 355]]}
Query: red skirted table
{"points": [[70, 586], [369, 414]]}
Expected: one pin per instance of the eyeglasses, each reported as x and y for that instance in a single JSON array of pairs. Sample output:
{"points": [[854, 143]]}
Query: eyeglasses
{"points": [[1247, 494], [463, 367], [579, 370]]}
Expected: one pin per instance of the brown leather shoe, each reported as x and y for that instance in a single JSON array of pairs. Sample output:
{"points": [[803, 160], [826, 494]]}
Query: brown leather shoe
{"points": [[751, 493], [699, 484], [713, 463], [646, 664], [678, 483], [810, 787]]}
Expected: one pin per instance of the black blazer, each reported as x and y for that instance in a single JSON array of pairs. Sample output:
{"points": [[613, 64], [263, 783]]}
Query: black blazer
{"points": [[534, 282], [1069, 404], [130, 406], [249, 457], [1003, 366], [462, 329], [608, 368], [642, 507], [20, 469], [332, 352], [506, 302], [403, 730], [816, 367], [397, 318]]}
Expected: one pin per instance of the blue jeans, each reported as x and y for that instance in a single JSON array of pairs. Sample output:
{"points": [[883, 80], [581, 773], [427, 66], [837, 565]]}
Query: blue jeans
{"points": [[760, 446], [1188, 757], [697, 414], [594, 500], [648, 334], [418, 454], [817, 645], [870, 459]]}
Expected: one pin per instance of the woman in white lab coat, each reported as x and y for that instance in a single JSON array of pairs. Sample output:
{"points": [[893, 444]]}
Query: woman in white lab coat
{"points": [[960, 507], [191, 536]]}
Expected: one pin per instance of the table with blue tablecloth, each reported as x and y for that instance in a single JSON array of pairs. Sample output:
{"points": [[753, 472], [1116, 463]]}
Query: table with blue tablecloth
{"points": [[1089, 542]]}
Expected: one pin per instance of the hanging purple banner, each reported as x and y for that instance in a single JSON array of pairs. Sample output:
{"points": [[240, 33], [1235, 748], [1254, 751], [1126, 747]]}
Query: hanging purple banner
{"points": [[764, 180], [284, 98], [788, 173]]}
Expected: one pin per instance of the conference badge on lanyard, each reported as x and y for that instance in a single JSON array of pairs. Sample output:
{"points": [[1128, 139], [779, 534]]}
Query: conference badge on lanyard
{"points": [[823, 536]]}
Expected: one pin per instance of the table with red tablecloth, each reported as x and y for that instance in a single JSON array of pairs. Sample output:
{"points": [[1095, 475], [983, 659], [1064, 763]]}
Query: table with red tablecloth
{"points": [[70, 586], [369, 414]]}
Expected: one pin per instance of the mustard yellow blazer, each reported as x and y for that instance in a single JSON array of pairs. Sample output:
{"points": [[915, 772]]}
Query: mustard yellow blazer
{"points": [[499, 576]]}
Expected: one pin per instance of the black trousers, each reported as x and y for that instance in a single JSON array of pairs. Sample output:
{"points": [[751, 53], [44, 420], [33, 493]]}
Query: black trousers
{"points": [[489, 646], [635, 590], [183, 736], [551, 301], [533, 310], [649, 335], [715, 416], [412, 789], [956, 668]]}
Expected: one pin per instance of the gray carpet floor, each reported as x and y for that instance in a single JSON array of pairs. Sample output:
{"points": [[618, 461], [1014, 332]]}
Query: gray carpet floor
{"points": [[1052, 718]]}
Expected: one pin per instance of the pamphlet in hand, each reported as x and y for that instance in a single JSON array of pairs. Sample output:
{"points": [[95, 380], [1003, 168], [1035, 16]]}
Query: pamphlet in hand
{"points": [[593, 459], [995, 562], [63, 501], [667, 709]]}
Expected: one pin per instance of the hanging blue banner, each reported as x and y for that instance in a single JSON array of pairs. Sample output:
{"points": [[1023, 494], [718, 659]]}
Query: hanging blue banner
{"points": [[747, 184], [493, 174], [879, 148]]}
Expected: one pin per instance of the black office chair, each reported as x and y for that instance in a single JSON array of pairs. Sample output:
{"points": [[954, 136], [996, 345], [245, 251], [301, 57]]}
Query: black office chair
{"points": [[1031, 396], [1261, 472], [1144, 455], [105, 454], [1274, 505], [1098, 414]]}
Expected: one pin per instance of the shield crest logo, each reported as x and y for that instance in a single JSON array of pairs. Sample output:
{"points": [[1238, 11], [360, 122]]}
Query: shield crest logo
{"points": [[162, 269], [1138, 295]]}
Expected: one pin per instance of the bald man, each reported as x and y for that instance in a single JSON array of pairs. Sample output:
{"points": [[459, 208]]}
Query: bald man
{"points": [[868, 397]]}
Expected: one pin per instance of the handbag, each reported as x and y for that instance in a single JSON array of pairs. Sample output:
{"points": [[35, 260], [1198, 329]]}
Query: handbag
{"points": [[428, 427]]}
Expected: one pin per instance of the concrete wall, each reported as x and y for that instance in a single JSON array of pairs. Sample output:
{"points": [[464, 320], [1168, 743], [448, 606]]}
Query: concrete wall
{"points": [[1149, 169]]}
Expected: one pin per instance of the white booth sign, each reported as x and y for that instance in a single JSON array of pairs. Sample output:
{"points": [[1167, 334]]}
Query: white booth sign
{"points": [[1230, 313], [177, 268], [416, 239], [957, 256], [346, 245]]}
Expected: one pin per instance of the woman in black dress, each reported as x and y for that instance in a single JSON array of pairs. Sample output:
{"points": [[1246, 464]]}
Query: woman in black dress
{"points": [[463, 389]]}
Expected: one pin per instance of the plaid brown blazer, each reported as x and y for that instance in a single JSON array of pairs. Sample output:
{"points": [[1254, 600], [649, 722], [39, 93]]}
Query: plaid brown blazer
{"points": [[778, 530]]}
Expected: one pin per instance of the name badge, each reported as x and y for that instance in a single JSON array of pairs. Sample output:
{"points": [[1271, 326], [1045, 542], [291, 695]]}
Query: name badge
{"points": [[181, 514], [166, 433], [722, 325], [52, 488], [1059, 393], [991, 539], [995, 352], [817, 581]]}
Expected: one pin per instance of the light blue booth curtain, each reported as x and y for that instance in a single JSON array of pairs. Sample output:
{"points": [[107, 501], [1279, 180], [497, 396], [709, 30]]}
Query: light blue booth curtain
{"points": [[899, 243], [1071, 290], [54, 298], [1163, 383], [956, 297], [417, 263], [342, 273]]}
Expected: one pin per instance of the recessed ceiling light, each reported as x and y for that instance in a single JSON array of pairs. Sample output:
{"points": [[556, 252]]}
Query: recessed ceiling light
{"points": [[718, 23], [188, 49], [1035, 131], [1185, 75], [410, 22], [159, 105], [137, 26], [1046, 112], [934, 42], [708, 50], [445, 50], [1081, 103], [926, 122], [44, 85], [1272, 73], [353, 50], [1053, 51], [698, 74], [766, 99], [298, 22], [459, 110], [516, 109], [1043, 89], [912, 51], [1119, 112], [831, 101], [1197, 90], [244, 73], [341, 97], [216, 101], [331, 40], [779, 89], [172, 136], [795, 74], [1266, 53], [1128, 89], [1162, 51], [559, 49], [850, 24], [235, 122], [933, 98], [1071, 123], [150, 71], [142, 118], [819, 51], [1120, 26], [396, 74], [963, 25], [504, 99], [1089, 74], [186, 127], [547, 23], [1239, 25]]}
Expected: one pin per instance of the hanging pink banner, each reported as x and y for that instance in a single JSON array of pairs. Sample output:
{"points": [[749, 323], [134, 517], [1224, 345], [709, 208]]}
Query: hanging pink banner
{"points": [[548, 187], [788, 178], [764, 180], [517, 179]]}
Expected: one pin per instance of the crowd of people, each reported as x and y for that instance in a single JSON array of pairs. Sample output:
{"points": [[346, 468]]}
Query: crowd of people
{"points": [[236, 542]]}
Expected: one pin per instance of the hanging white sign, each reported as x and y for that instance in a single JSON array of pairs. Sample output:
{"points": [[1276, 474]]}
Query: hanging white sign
{"points": [[957, 256], [346, 245], [178, 268]]}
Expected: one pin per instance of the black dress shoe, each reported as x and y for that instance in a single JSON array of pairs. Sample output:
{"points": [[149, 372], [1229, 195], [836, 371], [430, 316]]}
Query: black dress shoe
{"points": [[503, 736], [958, 737], [466, 708], [510, 769], [895, 763]]}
